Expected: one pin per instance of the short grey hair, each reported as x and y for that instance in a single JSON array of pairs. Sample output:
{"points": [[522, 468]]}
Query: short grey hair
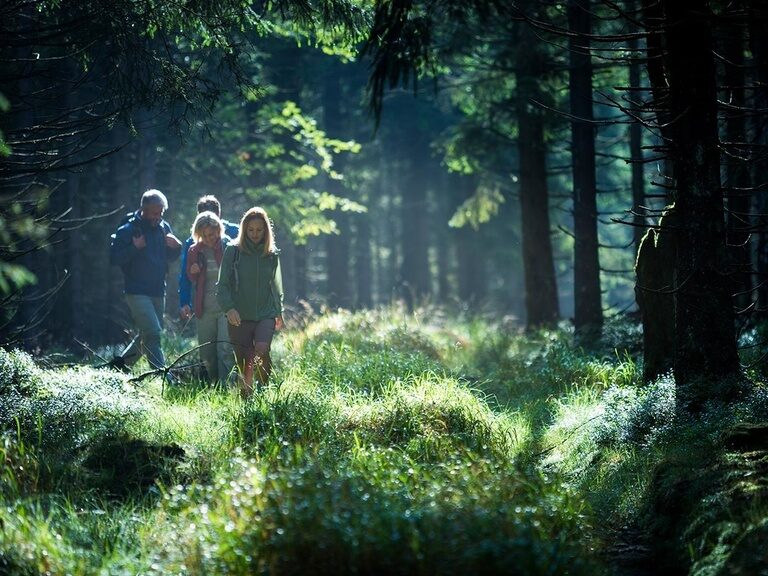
{"points": [[154, 197]]}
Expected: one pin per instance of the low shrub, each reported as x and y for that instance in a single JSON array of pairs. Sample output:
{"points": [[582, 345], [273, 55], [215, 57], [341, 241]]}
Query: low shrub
{"points": [[379, 512]]}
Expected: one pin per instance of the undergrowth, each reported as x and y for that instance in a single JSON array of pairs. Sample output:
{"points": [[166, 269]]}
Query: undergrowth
{"points": [[386, 443]]}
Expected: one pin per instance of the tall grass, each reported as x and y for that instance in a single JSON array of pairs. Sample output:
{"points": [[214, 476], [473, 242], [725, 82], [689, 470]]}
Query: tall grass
{"points": [[385, 443]]}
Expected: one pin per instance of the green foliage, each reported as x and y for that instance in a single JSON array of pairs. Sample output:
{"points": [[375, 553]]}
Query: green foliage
{"points": [[343, 366], [366, 454], [691, 482], [62, 412], [293, 414], [19, 375], [429, 418], [377, 512], [19, 468], [122, 465], [638, 415], [275, 143], [370, 453], [477, 209], [23, 223]]}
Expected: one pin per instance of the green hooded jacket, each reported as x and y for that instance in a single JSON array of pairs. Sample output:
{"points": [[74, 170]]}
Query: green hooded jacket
{"points": [[251, 283]]}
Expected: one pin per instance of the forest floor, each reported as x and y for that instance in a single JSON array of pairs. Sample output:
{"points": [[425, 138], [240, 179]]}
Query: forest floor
{"points": [[385, 444]]}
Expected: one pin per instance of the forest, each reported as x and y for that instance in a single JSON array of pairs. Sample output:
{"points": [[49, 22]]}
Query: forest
{"points": [[524, 259]]}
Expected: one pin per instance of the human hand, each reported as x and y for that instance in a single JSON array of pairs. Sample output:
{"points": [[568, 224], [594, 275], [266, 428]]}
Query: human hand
{"points": [[185, 312], [233, 317], [194, 269], [171, 241], [139, 242], [279, 324]]}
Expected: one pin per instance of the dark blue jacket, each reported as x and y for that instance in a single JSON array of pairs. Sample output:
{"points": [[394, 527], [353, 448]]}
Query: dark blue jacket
{"points": [[144, 270], [185, 286]]}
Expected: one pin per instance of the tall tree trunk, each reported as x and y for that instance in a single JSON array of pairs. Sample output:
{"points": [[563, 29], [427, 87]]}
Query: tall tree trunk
{"points": [[388, 228], [75, 254], [704, 320], [301, 272], [737, 178], [588, 316], [758, 43], [636, 154], [470, 256], [653, 17], [415, 272], [541, 305], [442, 237], [338, 250], [122, 176], [363, 262]]}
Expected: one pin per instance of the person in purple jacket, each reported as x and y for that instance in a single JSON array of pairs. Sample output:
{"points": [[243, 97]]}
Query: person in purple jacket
{"points": [[143, 247]]}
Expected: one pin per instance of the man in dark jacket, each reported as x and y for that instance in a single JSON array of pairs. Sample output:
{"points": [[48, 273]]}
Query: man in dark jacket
{"points": [[205, 204], [143, 247]]}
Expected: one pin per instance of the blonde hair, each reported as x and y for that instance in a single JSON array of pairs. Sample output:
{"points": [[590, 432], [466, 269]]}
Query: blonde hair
{"points": [[256, 213], [206, 220]]}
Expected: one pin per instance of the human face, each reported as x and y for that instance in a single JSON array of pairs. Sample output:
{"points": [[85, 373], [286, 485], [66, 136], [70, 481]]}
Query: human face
{"points": [[152, 213], [255, 230], [211, 236]]}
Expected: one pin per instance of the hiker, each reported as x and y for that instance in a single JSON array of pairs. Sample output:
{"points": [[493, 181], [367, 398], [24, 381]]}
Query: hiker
{"points": [[203, 263], [143, 246], [250, 289], [207, 203]]}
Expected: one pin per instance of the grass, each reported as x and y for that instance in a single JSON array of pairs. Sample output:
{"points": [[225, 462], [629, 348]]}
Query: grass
{"points": [[385, 444]]}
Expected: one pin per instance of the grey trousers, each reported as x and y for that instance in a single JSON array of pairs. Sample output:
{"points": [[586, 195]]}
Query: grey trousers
{"points": [[216, 352], [147, 314]]}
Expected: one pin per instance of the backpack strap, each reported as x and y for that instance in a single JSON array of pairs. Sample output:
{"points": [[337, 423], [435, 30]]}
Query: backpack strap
{"points": [[235, 269]]}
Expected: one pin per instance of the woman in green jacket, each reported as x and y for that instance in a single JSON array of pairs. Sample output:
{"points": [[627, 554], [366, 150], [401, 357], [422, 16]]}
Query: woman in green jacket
{"points": [[250, 289]]}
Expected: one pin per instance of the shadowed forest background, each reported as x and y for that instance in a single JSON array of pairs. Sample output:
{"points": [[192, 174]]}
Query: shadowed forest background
{"points": [[423, 207], [524, 255]]}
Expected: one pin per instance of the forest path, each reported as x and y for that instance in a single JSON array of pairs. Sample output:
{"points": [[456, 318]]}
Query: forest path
{"points": [[627, 554]]}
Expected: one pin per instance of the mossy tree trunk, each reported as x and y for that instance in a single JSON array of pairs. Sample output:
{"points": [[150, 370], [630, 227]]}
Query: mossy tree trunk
{"points": [[655, 297], [704, 319]]}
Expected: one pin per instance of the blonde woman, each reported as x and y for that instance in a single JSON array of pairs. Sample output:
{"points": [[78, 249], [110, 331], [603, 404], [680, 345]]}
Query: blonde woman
{"points": [[203, 263], [250, 290]]}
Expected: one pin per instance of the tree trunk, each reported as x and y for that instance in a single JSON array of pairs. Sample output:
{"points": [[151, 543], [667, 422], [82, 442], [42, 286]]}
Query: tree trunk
{"points": [[301, 272], [442, 234], [388, 228], [414, 270], [471, 274], [737, 178], [704, 320], [758, 44], [653, 17], [654, 295], [588, 316], [636, 154], [122, 174], [337, 245], [363, 259], [541, 304]]}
